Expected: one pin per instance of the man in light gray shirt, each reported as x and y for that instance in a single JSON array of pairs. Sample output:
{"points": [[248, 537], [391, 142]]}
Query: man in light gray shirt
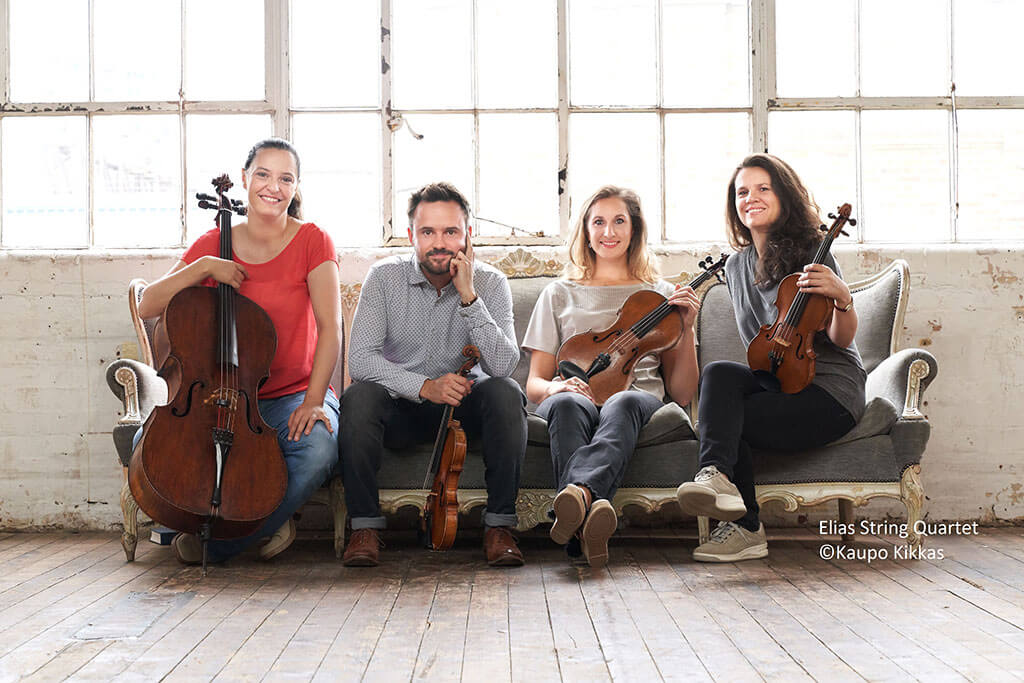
{"points": [[415, 315]]}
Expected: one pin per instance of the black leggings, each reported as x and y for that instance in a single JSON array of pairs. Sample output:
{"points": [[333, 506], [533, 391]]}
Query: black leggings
{"points": [[736, 413]]}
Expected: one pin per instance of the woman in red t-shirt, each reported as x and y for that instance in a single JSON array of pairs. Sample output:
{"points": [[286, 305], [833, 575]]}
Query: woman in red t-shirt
{"points": [[290, 268]]}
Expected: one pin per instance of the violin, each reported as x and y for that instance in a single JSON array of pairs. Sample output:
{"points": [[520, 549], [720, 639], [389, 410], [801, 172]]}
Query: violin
{"points": [[645, 324], [441, 513], [782, 353], [207, 463]]}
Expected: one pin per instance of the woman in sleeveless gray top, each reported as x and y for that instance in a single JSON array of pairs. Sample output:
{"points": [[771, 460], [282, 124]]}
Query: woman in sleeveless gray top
{"points": [[774, 224], [590, 446]]}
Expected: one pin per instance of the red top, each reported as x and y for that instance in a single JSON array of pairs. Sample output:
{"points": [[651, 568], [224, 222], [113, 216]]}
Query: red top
{"points": [[279, 286]]}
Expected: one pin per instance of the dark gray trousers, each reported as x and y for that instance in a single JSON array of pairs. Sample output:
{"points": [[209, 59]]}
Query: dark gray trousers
{"points": [[494, 412], [591, 446]]}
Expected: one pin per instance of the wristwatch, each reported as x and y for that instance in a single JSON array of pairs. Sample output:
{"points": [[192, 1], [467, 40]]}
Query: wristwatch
{"points": [[845, 309]]}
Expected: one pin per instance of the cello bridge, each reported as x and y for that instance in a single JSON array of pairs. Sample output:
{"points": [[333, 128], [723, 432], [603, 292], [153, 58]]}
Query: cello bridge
{"points": [[222, 397]]}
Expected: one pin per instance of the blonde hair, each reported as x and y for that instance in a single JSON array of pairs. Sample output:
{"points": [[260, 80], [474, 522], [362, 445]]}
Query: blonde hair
{"points": [[642, 263]]}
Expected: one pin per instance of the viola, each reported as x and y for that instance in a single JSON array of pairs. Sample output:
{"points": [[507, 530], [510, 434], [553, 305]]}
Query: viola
{"points": [[782, 353], [207, 463], [441, 513], [646, 324]]}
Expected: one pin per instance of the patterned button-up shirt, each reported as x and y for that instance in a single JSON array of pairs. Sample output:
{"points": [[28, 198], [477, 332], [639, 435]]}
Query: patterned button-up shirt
{"points": [[406, 332]]}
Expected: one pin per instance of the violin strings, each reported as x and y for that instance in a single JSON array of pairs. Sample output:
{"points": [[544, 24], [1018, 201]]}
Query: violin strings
{"points": [[649, 321]]}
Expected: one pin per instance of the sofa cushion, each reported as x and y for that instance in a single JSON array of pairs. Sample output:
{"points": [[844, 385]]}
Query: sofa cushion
{"points": [[879, 417], [871, 459]]}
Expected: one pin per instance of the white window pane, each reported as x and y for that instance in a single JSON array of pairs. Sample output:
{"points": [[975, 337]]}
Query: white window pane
{"points": [[335, 53], [444, 153], [224, 43], [136, 181], [340, 181], [905, 50], [701, 151], [612, 52], [49, 50], [991, 175], [906, 176], [821, 146], [215, 145], [815, 45], [431, 42], [986, 50], [137, 50], [712, 35], [45, 197], [615, 149], [518, 173], [517, 53]]}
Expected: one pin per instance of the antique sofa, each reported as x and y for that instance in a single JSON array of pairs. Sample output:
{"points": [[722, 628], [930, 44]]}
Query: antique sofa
{"points": [[880, 457]]}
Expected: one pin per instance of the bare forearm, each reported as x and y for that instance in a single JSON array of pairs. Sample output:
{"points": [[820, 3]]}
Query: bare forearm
{"points": [[325, 358], [682, 372], [843, 328], [157, 294]]}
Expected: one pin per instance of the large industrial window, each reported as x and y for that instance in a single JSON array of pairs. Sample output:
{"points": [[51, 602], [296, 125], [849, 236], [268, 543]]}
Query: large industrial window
{"points": [[113, 113]]}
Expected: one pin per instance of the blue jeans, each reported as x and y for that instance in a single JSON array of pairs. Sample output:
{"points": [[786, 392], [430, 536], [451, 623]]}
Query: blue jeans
{"points": [[310, 461]]}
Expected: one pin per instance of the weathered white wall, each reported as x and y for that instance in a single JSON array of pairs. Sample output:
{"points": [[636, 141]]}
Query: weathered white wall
{"points": [[64, 317]]}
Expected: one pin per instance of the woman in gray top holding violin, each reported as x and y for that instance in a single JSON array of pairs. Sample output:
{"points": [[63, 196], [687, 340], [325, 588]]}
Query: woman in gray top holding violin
{"points": [[774, 224], [591, 445]]}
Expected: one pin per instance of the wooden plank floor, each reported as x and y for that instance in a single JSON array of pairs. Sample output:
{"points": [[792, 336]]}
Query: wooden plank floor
{"points": [[72, 609]]}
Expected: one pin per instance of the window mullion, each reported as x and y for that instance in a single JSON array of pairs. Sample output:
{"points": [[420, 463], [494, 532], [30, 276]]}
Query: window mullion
{"points": [[474, 94], [88, 134], [660, 67], [563, 118], [762, 70], [387, 171], [5, 89], [277, 80], [954, 132]]}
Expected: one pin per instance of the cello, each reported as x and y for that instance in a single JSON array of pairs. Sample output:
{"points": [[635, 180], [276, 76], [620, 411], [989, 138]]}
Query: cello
{"points": [[207, 463], [782, 353], [644, 325], [441, 513]]}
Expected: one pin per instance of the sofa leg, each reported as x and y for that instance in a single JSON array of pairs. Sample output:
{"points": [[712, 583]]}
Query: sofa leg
{"points": [[340, 512], [703, 530], [846, 517], [912, 495], [130, 513]]}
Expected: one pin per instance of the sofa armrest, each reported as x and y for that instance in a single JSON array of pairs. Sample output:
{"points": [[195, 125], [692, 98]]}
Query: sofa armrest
{"points": [[902, 378], [139, 388]]}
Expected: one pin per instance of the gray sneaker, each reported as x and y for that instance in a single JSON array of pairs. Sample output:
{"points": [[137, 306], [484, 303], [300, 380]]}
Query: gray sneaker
{"points": [[711, 494], [730, 542]]}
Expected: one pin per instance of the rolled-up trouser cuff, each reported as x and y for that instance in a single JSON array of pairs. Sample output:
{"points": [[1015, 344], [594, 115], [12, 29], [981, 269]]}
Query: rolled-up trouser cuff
{"points": [[368, 523], [496, 519]]}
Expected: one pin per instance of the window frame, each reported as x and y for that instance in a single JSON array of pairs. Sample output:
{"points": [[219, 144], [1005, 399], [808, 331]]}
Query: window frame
{"points": [[276, 103]]}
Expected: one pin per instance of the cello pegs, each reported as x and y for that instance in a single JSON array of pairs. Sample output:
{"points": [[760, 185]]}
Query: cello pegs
{"points": [[852, 221], [207, 197]]}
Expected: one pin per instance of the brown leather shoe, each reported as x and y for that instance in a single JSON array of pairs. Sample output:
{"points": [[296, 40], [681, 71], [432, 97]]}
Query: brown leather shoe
{"points": [[501, 549], [363, 549]]}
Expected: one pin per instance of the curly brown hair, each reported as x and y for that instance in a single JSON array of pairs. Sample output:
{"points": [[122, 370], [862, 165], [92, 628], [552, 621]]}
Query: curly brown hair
{"points": [[643, 265], [795, 236]]}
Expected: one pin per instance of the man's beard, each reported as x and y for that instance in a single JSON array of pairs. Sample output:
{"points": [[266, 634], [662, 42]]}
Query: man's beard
{"points": [[428, 266]]}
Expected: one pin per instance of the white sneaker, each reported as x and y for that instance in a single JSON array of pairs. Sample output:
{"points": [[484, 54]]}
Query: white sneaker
{"points": [[730, 542], [279, 542], [711, 494]]}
